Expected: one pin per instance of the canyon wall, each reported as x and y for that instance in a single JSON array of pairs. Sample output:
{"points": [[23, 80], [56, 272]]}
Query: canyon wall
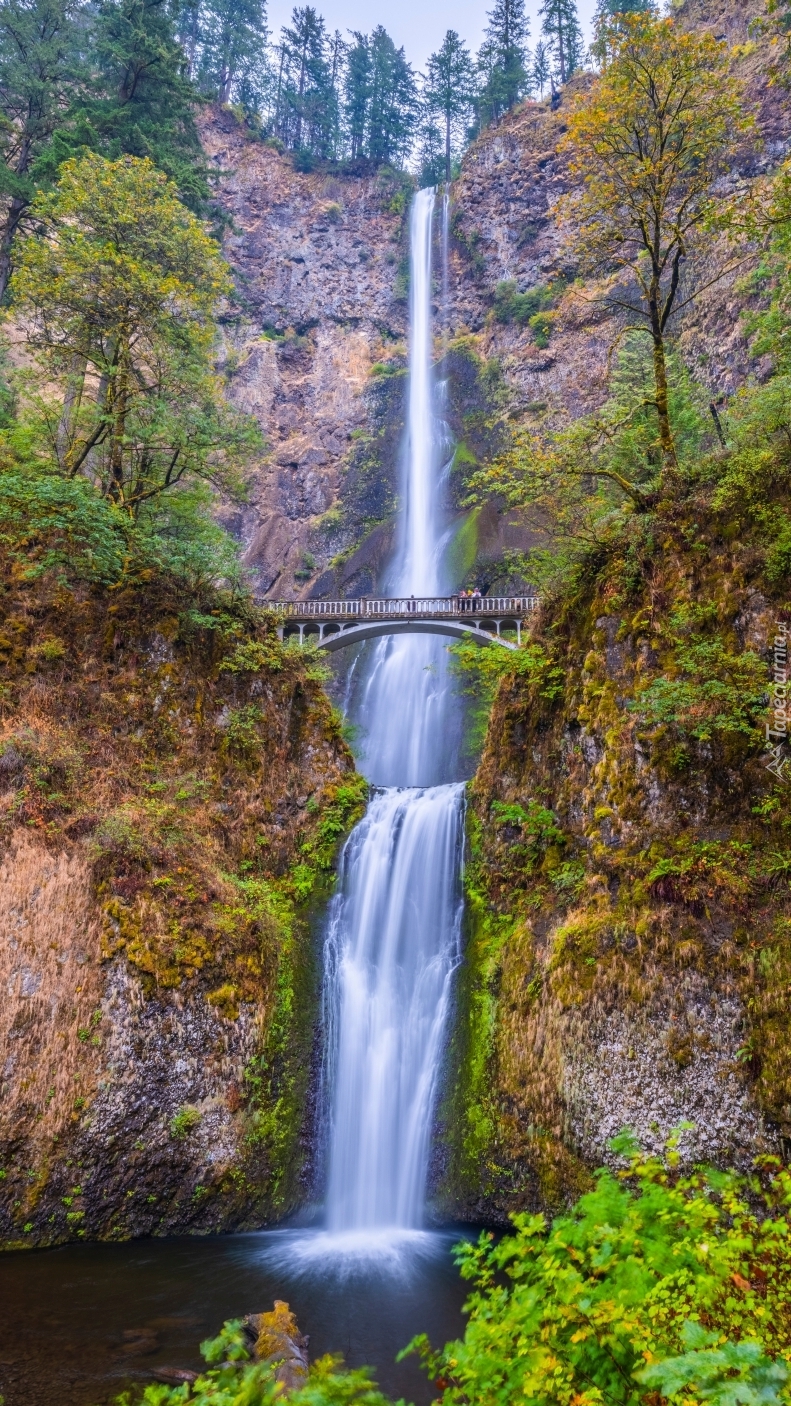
{"points": [[173, 786]]}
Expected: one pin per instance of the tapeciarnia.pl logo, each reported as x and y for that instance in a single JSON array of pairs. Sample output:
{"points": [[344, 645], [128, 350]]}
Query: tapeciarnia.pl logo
{"points": [[777, 727]]}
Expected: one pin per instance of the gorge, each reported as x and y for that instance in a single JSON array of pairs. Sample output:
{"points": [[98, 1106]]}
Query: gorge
{"points": [[338, 960]]}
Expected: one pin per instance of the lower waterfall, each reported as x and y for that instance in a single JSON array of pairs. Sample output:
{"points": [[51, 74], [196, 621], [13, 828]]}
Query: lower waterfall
{"points": [[392, 944]]}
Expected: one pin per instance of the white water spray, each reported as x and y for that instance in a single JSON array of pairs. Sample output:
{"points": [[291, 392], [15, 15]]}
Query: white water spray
{"points": [[393, 936]]}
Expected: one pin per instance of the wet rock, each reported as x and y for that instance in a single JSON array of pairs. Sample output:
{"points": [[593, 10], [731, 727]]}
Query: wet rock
{"points": [[278, 1341]]}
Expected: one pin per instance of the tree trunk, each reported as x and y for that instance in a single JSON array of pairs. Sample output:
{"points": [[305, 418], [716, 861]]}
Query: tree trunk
{"points": [[16, 210], [298, 133], [71, 404], [660, 386], [447, 147]]}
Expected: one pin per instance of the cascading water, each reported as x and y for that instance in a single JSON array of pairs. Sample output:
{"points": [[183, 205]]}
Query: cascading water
{"points": [[391, 949], [393, 935]]}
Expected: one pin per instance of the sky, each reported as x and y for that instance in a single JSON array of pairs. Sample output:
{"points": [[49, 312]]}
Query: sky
{"points": [[419, 25]]}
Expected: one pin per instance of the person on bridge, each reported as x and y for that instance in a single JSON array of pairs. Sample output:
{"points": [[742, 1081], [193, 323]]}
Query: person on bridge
{"points": [[412, 607]]}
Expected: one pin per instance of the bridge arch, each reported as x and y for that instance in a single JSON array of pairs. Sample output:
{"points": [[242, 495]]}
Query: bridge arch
{"points": [[334, 636]]}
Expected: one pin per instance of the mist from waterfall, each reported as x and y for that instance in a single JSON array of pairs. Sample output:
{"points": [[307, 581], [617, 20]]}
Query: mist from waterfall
{"points": [[393, 931]]}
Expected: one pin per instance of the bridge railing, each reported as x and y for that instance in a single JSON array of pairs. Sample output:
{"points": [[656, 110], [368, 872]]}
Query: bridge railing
{"points": [[403, 606]]}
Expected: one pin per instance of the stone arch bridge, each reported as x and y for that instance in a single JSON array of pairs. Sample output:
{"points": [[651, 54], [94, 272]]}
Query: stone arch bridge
{"points": [[337, 624]]}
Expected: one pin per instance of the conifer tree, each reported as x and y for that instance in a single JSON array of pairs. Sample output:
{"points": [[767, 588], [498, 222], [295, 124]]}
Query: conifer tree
{"points": [[40, 71], [542, 72], [449, 91], [232, 39], [381, 105], [140, 100], [560, 27], [305, 118], [503, 60], [357, 93]]}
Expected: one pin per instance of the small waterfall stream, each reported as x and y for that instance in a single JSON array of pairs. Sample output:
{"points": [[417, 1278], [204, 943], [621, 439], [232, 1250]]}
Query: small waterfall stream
{"points": [[393, 934]]}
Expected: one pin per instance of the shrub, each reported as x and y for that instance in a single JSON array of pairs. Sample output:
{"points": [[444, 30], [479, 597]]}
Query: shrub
{"points": [[653, 1285]]}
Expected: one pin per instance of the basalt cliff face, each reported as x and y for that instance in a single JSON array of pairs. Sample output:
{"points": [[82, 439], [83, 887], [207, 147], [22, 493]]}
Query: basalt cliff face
{"points": [[172, 788], [315, 343]]}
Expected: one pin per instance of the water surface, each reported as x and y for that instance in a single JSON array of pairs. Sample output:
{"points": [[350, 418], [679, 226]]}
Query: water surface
{"points": [[80, 1323]]}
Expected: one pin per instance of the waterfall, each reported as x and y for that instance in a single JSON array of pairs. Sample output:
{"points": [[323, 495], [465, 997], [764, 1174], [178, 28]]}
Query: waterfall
{"points": [[393, 930]]}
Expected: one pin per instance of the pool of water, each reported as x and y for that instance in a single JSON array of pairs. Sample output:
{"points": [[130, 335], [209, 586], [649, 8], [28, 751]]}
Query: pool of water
{"points": [[80, 1323]]}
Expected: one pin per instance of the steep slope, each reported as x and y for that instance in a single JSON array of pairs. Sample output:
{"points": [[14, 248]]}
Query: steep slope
{"points": [[173, 785], [628, 953]]}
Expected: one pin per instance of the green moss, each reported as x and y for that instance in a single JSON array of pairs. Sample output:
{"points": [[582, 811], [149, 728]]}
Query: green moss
{"points": [[184, 1122]]}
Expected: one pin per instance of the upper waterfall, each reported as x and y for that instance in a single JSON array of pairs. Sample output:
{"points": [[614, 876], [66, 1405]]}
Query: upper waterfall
{"points": [[405, 703]]}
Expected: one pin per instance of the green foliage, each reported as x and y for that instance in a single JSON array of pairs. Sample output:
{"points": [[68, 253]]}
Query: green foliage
{"points": [[714, 693], [538, 826], [183, 1123], [232, 1380], [482, 669], [679, 1284], [722, 1372], [50, 523], [242, 738], [255, 657], [123, 292], [530, 308]]}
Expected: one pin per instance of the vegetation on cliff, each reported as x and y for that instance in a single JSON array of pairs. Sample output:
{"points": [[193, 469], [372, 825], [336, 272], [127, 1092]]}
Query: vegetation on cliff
{"points": [[629, 849]]}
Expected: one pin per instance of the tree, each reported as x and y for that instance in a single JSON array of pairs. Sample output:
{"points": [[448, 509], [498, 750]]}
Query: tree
{"points": [[393, 105], [503, 60], [139, 100], [117, 294], [649, 142], [449, 88], [541, 70], [357, 93], [431, 151], [560, 27], [39, 71], [380, 99], [606, 19], [306, 115], [233, 38]]}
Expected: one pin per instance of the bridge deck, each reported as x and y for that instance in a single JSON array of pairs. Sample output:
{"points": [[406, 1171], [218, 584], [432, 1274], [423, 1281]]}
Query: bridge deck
{"points": [[339, 623], [405, 608]]}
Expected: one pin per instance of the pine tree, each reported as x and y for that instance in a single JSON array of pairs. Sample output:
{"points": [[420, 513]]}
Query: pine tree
{"points": [[140, 100], [306, 114], [39, 71], [431, 150], [503, 60], [561, 28], [541, 69], [232, 39], [381, 105], [393, 108], [449, 91], [357, 92]]}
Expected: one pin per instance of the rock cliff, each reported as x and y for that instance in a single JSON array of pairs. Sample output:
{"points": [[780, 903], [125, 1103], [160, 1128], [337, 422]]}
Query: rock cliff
{"points": [[172, 788]]}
